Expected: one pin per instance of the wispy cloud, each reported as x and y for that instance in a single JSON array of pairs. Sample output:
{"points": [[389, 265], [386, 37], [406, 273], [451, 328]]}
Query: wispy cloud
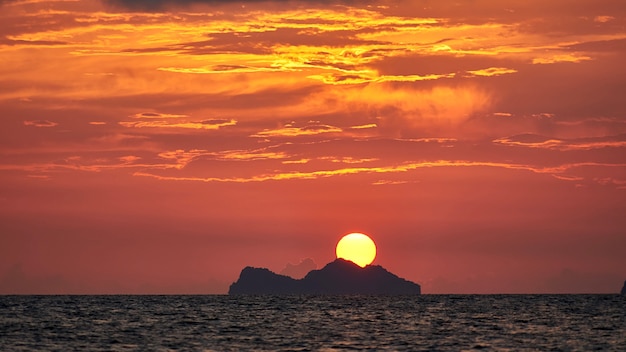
{"points": [[196, 125], [292, 131], [40, 123], [402, 111], [492, 71], [366, 126], [357, 78], [559, 172], [573, 58], [535, 141], [603, 19]]}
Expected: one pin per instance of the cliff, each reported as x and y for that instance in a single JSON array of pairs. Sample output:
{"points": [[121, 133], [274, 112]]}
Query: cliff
{"points": [[338, 277]]}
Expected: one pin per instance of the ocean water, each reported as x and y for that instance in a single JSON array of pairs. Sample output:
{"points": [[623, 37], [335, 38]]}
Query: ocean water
{"points": [[314, 323]]}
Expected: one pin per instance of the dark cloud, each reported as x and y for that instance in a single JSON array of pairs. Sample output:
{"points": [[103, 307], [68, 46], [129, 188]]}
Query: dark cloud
{"points": [[263, 42], [150, 114], [157, 5], [215, 121], [510, 11], [614, 45], [13, 24], [10, 42]]}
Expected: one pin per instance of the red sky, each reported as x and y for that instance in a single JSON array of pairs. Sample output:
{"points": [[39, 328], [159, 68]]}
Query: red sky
{"points": [[162, 146]]}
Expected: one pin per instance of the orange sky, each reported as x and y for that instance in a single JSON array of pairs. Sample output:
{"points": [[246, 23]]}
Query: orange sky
{"points": [[161, 146]]}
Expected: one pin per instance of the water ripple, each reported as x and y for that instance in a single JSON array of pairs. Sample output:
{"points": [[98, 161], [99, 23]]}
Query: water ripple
{"points": [[314, 323]]}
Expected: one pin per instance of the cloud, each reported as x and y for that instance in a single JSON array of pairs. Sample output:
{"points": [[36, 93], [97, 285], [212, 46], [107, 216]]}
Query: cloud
{"points": [[611, 45], [492, 71], [355, 78], [587, 174], [346, 171], [197, 125], [129, 159], [244, 155], [347, 159], [573, 58], [298, 161], [537, 141], [603, 19], [292, 131], [388, 182], [609, 181], [298, 271], [40, 123], [21, 42], [179, 159], [402, 109], [2, 2], [156, 115], [362, 127], [158, 5], [222, 69]]}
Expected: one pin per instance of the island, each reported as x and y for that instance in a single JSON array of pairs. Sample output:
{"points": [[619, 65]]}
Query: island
{"points": [[336, 278], [624, 288]]}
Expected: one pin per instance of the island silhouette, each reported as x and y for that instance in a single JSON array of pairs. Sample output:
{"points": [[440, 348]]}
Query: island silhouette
{"points": [[624, 289], [337, 277]]}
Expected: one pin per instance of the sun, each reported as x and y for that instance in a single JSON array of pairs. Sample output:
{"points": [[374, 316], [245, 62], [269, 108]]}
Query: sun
{"points": [[358, 248]]}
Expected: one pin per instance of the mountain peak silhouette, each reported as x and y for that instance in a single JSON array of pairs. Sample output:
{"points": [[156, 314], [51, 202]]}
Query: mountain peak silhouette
{"points": [[337, 277]]}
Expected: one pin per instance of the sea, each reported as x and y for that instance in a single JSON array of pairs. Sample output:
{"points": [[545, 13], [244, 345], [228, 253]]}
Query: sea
{"points": [[313, 323]]}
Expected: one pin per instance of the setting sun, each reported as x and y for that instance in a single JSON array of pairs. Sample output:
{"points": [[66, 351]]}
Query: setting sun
{"points": [[358, 248]]}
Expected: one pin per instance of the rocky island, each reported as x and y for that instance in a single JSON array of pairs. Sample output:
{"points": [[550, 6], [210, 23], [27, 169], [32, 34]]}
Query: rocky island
{"points": [[338, 277], [624, 288]]}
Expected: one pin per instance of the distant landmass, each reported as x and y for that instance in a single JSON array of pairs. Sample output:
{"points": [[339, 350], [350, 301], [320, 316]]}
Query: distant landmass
{"points": [[338, 277], [624, 288]]}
